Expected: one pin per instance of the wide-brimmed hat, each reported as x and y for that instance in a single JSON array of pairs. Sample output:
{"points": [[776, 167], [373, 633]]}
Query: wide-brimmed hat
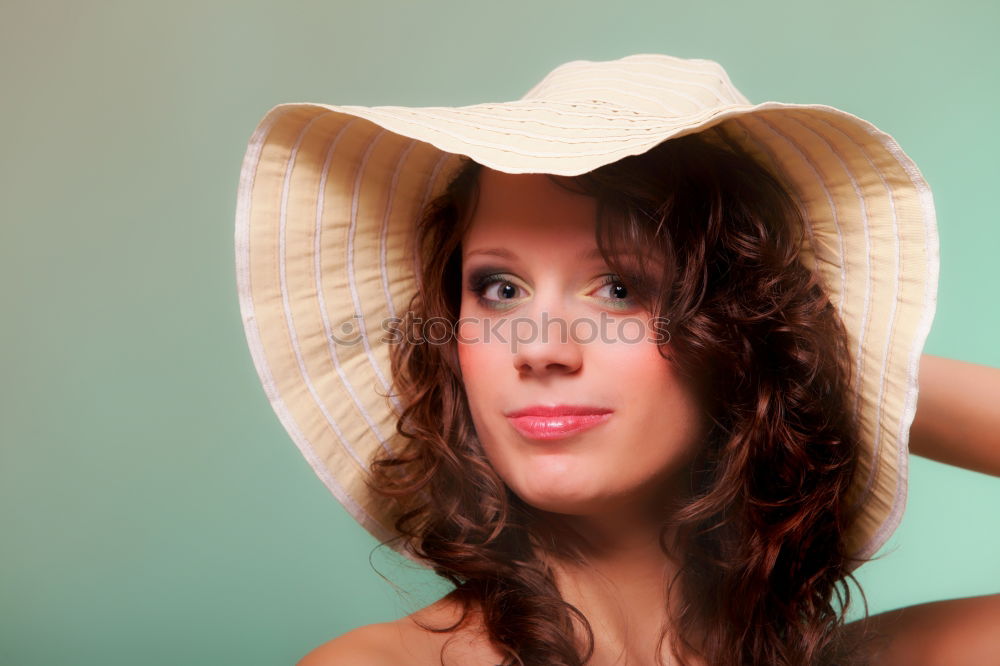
{"points": [[329, 196]]}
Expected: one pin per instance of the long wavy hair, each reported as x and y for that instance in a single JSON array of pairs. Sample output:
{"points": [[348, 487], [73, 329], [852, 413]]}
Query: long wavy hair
{"points": [[761, 536]]}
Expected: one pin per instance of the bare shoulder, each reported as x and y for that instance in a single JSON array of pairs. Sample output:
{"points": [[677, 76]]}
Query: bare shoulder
{"points": [[371, 645], [412, 640], [955, 632], [444, 633]]}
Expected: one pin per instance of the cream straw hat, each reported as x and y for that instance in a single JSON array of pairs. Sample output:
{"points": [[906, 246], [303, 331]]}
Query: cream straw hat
{"points": [[328, 196]]}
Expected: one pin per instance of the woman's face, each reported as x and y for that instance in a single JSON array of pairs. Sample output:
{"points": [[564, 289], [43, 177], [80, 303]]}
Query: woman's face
{"points": [[544, 323]]}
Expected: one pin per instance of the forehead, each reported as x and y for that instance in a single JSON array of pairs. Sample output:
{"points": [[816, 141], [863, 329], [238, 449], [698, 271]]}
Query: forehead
{"points": [[529, 204]]}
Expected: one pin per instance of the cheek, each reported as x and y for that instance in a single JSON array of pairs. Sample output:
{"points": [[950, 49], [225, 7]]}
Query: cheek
{"points": [[481, 364], [475, 358], [634, 363], [665, 421], [643, 368]]}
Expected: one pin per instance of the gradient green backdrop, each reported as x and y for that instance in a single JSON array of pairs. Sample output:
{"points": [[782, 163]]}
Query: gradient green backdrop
{"points": [[152, 509]]}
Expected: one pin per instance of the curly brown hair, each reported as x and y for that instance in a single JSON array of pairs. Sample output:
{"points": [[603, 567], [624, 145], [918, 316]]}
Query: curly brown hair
{"points": [[762, 536]]}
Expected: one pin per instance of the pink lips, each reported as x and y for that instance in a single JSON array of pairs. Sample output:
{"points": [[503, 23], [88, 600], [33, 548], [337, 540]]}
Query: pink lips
{"points": [[541, 422]]}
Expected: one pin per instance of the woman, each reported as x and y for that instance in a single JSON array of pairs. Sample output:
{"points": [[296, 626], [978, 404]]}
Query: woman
{"points": [[738, 417]]}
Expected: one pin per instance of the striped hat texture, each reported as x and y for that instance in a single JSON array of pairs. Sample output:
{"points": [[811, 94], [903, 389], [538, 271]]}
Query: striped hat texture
{"points": [[329, 195]]}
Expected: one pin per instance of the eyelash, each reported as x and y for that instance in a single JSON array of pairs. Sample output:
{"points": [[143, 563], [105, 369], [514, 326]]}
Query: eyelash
{"points": [[478, 283]]}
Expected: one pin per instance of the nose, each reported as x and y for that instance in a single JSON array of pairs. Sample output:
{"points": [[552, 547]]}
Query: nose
{"points": [[544, 344]]}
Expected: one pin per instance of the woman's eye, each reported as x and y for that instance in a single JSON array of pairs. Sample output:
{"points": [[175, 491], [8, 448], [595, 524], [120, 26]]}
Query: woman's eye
{"points": [[616, 291], [493, 290], [500, 290]]}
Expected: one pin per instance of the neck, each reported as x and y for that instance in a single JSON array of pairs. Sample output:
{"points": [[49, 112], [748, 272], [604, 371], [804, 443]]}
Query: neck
{"points": [[619, 583]]}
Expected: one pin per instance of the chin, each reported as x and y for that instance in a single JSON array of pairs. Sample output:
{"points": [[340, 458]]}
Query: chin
{"points": [[560, 506], [568, 502]]}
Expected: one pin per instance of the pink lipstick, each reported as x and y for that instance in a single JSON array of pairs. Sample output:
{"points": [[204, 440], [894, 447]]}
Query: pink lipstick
{"points": [[542, 422]]}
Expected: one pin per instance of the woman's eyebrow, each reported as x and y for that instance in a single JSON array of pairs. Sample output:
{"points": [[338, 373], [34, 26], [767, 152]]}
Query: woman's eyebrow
{"points": [[495, 252], [594, 253]]}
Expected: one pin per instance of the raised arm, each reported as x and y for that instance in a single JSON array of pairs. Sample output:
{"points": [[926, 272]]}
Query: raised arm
{"points": [[958, 423], [957, 632], [958, 414]]}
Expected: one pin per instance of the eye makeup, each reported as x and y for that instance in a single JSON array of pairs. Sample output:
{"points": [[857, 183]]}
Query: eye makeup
{"points": [[481, 279]]}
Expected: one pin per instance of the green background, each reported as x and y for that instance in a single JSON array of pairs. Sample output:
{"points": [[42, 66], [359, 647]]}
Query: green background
{"points": [[152, 509]]}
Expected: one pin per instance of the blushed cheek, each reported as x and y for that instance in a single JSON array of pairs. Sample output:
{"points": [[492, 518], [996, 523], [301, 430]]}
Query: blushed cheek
{"points": [[483, 343], [479, 364], [644, 368], [631, 332], [466, 334], [479, 378]]}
